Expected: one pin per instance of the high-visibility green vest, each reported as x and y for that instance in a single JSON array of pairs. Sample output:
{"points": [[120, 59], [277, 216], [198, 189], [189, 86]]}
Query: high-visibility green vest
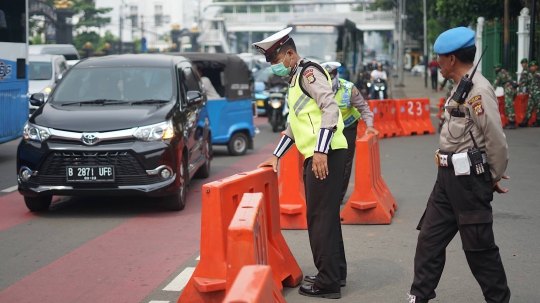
{"points": [[305, 119], [343, 97]]}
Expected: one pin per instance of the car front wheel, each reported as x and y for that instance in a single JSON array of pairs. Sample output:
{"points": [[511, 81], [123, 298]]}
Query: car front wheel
{"points": [[35, 204], [178, 201]]}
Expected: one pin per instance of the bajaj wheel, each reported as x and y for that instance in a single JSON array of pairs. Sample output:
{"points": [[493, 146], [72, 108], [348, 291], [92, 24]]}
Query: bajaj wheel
{"points": [[38, 203], [178, 201], [238, 144]]}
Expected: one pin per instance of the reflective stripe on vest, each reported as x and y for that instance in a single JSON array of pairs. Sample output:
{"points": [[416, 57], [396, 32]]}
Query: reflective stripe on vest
{"points": [[343, 96], [305, 120]]}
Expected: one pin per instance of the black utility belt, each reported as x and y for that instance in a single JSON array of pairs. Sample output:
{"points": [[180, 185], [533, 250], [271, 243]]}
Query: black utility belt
{"points": [[473, 162]]}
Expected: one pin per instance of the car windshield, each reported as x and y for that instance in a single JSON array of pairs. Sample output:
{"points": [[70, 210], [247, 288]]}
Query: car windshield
{"points": [[40, 70], [114, 83]]}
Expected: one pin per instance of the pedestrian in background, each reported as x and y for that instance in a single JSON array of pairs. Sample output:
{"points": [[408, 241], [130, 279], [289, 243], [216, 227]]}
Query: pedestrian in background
{"points": [[504, 79], [352, 106], [460, 200], [434, 71], [316, 126], [533, 82]]}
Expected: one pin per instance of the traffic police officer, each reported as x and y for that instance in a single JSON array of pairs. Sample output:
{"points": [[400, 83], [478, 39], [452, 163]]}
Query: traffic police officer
{"points": [[352, 106], [533, 87], [316, 127], [504, 79], [460, 200]]}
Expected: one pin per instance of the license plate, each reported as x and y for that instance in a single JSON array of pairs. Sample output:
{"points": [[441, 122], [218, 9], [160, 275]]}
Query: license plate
{"points": [[90, 173], [260, 103]]}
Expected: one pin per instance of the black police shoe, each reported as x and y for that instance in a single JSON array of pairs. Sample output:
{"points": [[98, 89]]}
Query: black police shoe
{"points": [[311, 279], [415, 299], [524, 123], [311, 290], [536, 124], [510, 126]]}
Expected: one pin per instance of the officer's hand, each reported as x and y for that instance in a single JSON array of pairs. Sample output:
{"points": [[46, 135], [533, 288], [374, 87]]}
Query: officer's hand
{"points": [[371, 130], [272, 161], [497, 187], [319, 165]]}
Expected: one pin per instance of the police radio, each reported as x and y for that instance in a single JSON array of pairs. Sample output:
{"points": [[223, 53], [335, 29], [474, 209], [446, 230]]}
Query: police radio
{"points": [[463, 89]]}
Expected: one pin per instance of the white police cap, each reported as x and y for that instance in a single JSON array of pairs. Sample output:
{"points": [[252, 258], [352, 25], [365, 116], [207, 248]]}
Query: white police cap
{"points": [[331, 65], [270, 46]]}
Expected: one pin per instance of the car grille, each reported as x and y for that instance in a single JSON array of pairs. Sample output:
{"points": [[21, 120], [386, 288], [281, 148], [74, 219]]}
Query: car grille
{"points": [[127, 169]]}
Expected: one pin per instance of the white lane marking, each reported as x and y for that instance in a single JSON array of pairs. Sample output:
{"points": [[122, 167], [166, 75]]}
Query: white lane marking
{"points": [[10, 189], [154, 301], [198, 258], [178, 283]]}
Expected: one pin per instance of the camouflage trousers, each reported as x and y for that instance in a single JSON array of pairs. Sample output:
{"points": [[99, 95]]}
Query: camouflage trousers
{"points": [[509, 96], [534, 100]]}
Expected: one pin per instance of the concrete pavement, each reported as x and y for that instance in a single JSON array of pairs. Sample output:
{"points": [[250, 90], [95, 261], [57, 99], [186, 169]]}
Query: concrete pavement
{"points": [[380, 257]]}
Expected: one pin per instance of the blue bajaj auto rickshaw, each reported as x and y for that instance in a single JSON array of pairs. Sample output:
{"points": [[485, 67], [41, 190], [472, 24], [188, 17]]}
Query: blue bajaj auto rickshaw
{"points": [[231, 110]]}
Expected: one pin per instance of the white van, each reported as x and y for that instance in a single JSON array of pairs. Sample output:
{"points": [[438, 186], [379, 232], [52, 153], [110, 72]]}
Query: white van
{"points": [[44, 73], [67, 50]]}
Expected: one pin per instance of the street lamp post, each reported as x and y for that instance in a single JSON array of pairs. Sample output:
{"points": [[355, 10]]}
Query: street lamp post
{"points": [[425, 47]]}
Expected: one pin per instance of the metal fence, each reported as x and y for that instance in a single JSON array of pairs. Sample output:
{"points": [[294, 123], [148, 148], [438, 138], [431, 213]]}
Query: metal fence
{"points": [[493, 37]]}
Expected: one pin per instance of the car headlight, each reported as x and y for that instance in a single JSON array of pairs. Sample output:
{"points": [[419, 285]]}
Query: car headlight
{"points": [[46, 91], [155, 132], [275, 104], [35, 133], [382, 87], [377, 87]]}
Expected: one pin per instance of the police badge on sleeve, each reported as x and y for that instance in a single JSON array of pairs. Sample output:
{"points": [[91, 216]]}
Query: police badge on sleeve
{"points": [[309, 75]]}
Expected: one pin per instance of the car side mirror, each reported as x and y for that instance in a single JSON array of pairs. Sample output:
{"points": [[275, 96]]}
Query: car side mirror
{"points": [[194, 97], [37, 99]]}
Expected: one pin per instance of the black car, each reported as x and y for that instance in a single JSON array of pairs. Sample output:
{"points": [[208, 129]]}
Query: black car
{"points": [[117, 125]]}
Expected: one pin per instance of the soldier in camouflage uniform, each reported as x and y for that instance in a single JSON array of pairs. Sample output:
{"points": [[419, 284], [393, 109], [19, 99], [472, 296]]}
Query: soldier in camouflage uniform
{"points": [[504, 79], [523, 77], [533, 82], [449, 89]]}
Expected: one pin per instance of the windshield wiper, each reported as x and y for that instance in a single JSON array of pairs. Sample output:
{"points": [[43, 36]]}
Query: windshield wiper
{"points": [[150, 101], [97, 101]]}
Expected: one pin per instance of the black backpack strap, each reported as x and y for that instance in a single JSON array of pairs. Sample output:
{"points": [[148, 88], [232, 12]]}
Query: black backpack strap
{"points": [[304, 66]]}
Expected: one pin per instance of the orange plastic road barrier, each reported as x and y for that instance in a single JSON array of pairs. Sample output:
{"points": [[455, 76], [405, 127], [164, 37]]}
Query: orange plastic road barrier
{"points": [[292, 195], [500, 100], [413, 116], [520, 107], [384, 118], [220, 200], [247, 243], [254, 285], [371, 202]]}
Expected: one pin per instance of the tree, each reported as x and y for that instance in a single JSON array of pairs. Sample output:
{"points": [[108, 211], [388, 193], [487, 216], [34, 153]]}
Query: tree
{"points": [[90, 16]]}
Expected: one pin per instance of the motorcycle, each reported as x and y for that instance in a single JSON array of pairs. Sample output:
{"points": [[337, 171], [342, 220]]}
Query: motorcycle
{"points": [[276, 103], [379, 87]]}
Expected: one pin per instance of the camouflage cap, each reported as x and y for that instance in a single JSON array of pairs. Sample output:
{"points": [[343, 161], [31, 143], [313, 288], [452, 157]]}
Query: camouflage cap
{"points": [[533, 63], [524, 60], [498, 65]]}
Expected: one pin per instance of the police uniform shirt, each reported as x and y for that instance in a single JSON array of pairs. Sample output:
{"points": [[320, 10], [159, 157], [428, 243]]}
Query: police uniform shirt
{"points": [[361, 105], [483, 119], [316, 85]]}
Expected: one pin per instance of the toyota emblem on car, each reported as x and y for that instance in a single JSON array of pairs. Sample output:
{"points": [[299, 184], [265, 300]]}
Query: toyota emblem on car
{"points": [[89, 139]]}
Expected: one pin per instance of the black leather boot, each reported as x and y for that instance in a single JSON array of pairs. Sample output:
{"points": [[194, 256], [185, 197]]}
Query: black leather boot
{"points": [[536, 124], [510, 125], [312, 290], [524, 123]]}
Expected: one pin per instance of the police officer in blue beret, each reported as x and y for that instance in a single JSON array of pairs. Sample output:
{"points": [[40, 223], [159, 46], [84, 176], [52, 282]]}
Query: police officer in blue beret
{"points": [[460, 200]]}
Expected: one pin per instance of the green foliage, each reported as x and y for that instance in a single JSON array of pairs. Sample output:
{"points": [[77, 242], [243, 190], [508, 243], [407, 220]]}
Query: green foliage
{"points": [[91, 16], [84, 37], [37, 40]]}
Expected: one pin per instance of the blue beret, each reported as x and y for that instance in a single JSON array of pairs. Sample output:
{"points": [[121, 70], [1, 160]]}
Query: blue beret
{"points": [[454, 39]]}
